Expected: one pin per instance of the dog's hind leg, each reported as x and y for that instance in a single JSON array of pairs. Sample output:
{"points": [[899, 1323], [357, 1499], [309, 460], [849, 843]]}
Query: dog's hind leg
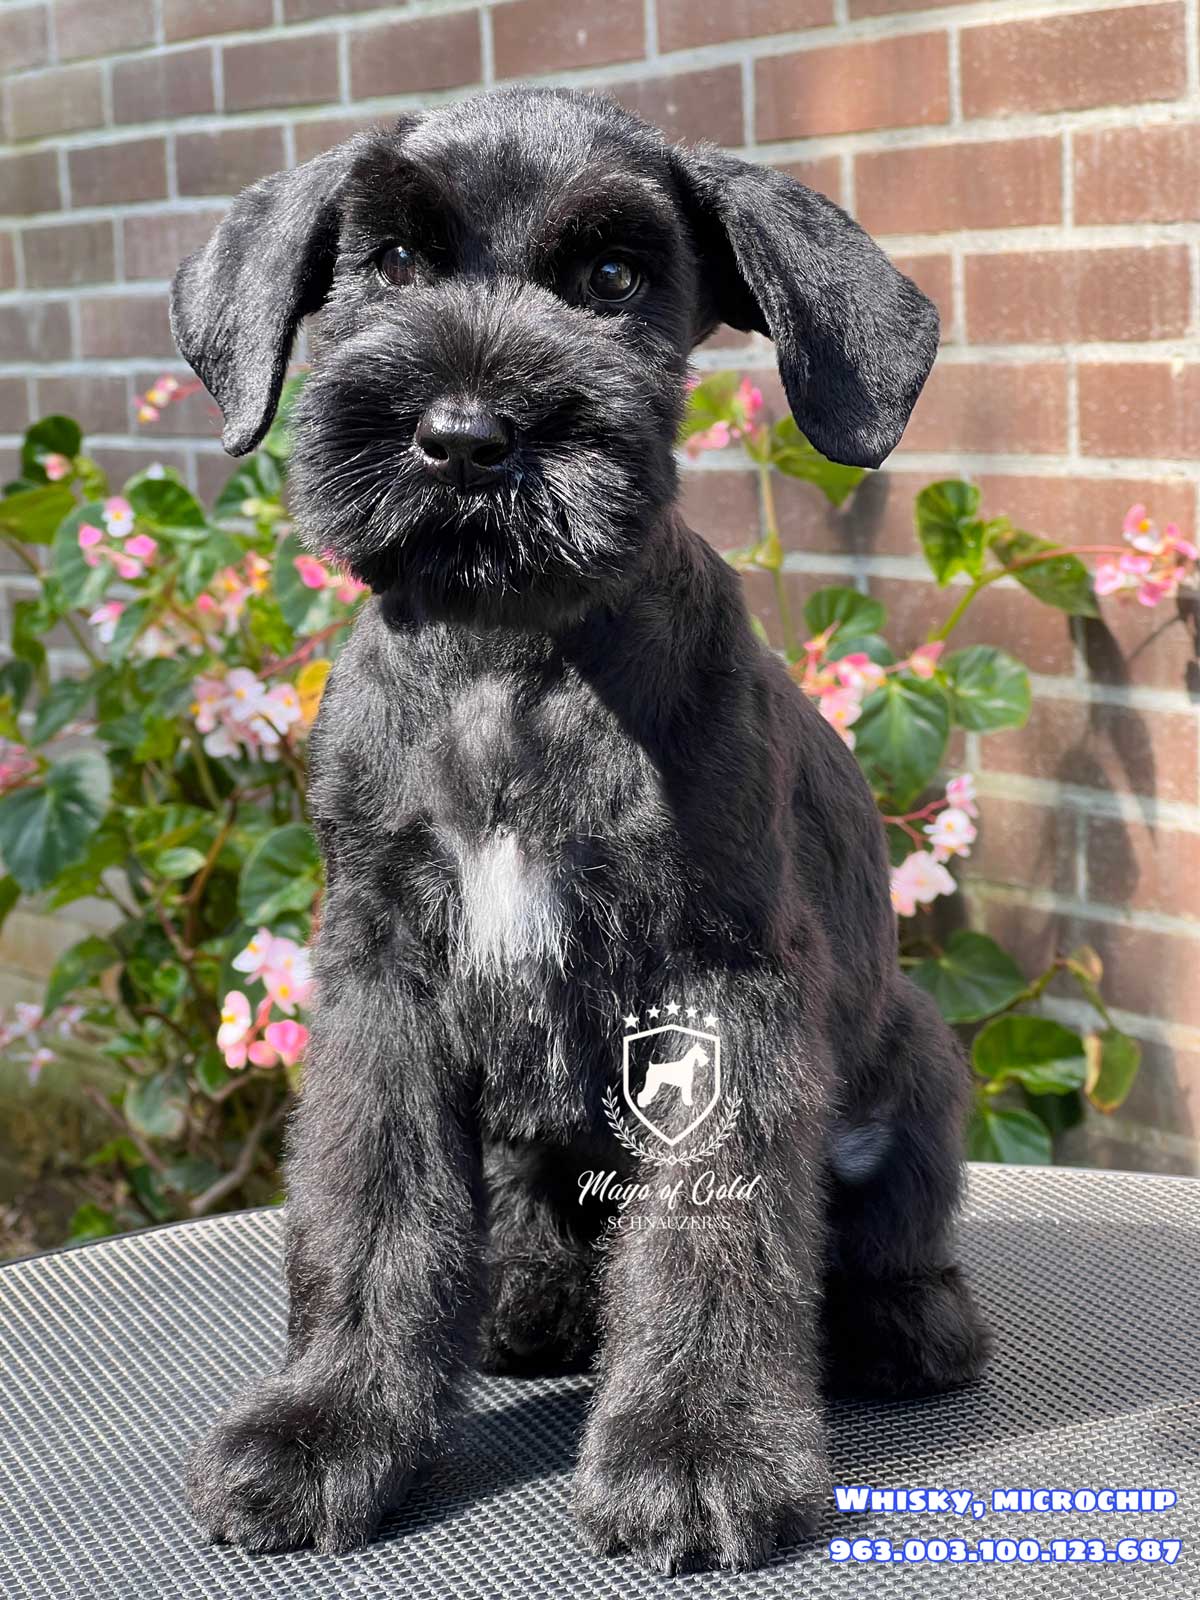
{"points": [[899, 1317], [542, 1262]]}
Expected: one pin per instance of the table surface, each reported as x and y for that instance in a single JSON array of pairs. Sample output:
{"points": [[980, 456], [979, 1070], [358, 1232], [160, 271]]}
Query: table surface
{"points": [[114, 1356]]}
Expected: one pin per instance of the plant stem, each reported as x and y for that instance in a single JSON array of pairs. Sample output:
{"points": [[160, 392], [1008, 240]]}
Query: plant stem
{"points": [[80, 637], [204, 772], [775, 565], [1037, 560], [244, 1165]]}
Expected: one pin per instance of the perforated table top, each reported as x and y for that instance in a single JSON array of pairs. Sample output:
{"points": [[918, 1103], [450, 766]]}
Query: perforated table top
{"points": [[113, 1356]]}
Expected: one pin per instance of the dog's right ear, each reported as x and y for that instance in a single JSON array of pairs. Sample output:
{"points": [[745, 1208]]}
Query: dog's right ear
{"points": [[237, 303]]}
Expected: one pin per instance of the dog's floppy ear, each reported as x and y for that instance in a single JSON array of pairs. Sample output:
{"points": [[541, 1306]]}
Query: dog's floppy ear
{"points": [[236, 304], [855, 339]]}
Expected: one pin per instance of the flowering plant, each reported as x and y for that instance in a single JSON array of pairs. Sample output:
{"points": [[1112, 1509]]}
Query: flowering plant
{"points": [[161, 775], [898, 711]]}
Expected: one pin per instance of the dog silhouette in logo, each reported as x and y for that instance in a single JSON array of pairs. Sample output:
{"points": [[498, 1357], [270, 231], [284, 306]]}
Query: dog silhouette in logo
{"points": [[679, 1074]]}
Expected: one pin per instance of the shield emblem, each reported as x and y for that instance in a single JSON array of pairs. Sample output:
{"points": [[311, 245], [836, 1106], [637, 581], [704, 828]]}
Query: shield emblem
{"points": [[671, 1079]]}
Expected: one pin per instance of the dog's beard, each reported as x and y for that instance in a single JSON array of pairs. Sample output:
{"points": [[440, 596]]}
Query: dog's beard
{"points": [[559, 528]]}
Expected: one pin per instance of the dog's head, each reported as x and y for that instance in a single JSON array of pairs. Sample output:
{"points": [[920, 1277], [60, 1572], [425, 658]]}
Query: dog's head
{"points": [[510, 287]]}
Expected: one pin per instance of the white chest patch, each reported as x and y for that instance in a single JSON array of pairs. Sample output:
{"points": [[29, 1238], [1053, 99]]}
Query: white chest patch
{"points": [[510, 913]]}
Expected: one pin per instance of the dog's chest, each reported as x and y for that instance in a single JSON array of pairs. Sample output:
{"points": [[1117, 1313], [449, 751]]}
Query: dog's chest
{"points": [[534, 792]]}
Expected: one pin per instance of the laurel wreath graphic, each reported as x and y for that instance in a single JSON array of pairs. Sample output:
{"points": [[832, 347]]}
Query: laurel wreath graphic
{"points": [[667, 1156]]}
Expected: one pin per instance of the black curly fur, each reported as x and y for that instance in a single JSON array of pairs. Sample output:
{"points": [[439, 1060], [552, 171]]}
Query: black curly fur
{"points": [[555, 777]]}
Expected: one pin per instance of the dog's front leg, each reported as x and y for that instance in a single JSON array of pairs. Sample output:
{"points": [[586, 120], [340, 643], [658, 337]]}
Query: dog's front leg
{"points": [[706, 1444], [383, 1268]]}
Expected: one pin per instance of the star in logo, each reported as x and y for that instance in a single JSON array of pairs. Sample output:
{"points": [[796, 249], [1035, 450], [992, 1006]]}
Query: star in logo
{"points": [[654, 1011], [691, 1011], [631, 1021], [710, 1021], [672, 1008]]}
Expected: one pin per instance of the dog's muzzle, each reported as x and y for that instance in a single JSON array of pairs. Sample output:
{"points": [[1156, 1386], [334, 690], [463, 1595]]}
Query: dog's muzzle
{"points": [[463, 443]]}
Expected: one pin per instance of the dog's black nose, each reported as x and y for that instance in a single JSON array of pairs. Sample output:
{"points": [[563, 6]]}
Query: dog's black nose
{"points": [[465, 444]]}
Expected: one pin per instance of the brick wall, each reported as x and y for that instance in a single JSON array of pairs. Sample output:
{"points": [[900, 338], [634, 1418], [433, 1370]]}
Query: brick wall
{"points": [[1035, 164]]}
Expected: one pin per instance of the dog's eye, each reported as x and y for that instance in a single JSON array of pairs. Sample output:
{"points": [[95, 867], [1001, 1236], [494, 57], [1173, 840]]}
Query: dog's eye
{"points": [[613, 279], [397, 266]]}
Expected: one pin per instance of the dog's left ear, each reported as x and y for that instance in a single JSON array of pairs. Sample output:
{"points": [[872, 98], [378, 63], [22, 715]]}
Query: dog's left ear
{"points": [[854, 337], [237, 303]]}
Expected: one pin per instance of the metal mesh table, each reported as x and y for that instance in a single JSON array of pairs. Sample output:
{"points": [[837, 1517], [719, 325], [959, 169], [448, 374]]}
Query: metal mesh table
{"points": [[114, 1355]]}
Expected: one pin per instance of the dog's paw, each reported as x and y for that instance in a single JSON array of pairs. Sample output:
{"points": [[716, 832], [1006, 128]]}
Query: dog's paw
{"points": [[281, 1470], [541, 1317], [679, 1507], [904, 1337]]}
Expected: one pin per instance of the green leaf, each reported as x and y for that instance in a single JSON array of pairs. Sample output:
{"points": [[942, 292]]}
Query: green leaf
{"points": [[973, 978], [1041, 1055], [33, 515], [91, 1221], [167, 505], [1063, 581], [61, 704], [952, 536], [872, 645], [211, 1073], [190, 1175], [1058, 1112], [280, 875], [258, 478], [989, 689], [78, 966], [710, 401], [279, 440], [856, 614], [16, 680], [1003, 1135], [82, 586], [902, 733], [792, 455], [46, 828], [1113, 1062], [304, 610], [25, 642], [10, 893], [58, 436], [182, 862], [157, 1107]]}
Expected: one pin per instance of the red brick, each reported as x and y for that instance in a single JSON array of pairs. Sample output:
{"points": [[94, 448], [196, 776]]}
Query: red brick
{"points": [[723, 506], [67, 254], [306, 10], [59, 100], [322, 133], [1024, 845], [1037, 635], [115, 174], [1139, 408], [8, 262], [191, 19], [692, 106], [213, 471], [533, 37], [1049, 296], [120, 462], [685, 23], [1138, 174], [224, 162], [1076, 510], [887, 83], [1165, 1093], [1090, 58], [156, 243], [1153, 974], [1151, 649], [156, 87], [83, 28], [1000, 183], [98, 403], [436, 52], [1032, 936], [29, 183], [992, 409], [195, 417], [877, 519], [23, 37], [14, 406], [822, 173], [124, 325], [1145, 868], [934, 276], [1102, 747], [35, 330], [300, 70]]}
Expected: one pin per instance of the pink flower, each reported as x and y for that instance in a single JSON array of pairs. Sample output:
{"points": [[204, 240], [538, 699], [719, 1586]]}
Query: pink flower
{"points": [[235, 1025], [858, 672], [960, 792], [289, 1038], [1108, 578], [41, 1057], [918, 879], [1151, 592], [118, 516], [714, 438], [142, 546], [56, 466], [1135, 564], [16, 764], [951, 833], [750, 401], [261, 1054], [924, 659], [312, 573], [89, 535], [128, 569], [147, 413], [841, 707], [105, 618]]}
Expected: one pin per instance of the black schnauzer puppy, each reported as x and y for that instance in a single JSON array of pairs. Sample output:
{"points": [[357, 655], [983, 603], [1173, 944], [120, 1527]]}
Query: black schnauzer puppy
{"points": [[557, 779]]}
